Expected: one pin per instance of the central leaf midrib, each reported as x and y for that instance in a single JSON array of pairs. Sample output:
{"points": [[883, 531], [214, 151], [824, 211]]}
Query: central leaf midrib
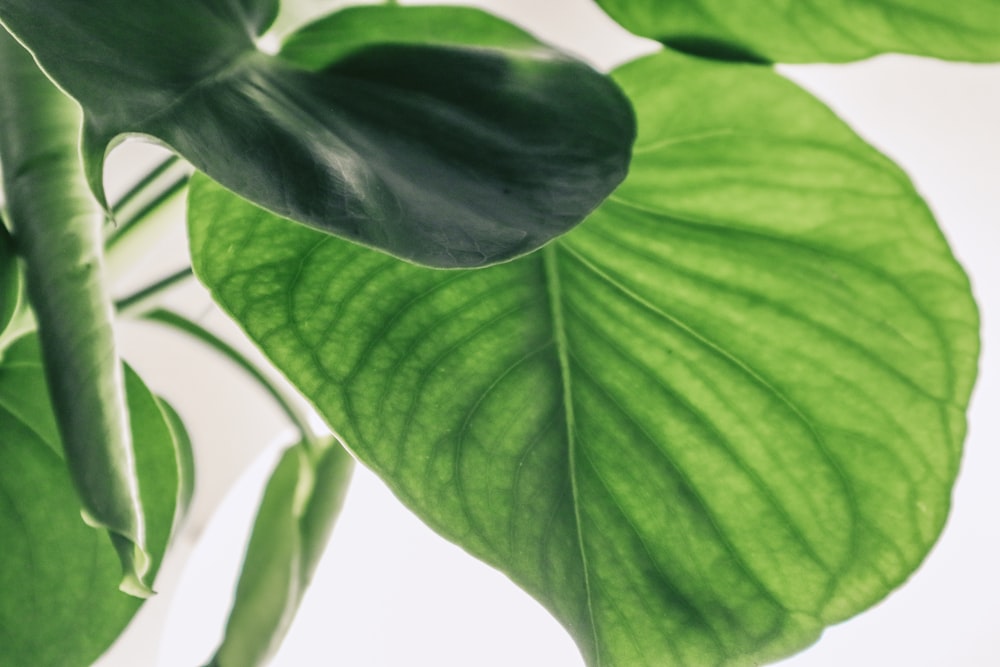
{"points": [[553, 286]]}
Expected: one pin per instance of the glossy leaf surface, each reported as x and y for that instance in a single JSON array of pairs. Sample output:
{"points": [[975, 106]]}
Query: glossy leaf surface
{"points": [[426, 148], [60, 605], [300, 505], [57, 224], [724, 413], [816, 30]]}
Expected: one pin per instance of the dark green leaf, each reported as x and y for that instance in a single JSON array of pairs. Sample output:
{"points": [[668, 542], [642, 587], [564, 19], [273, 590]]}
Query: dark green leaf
{"points": [[300, 504], [438, 150], [60, 606], [724, 413], [10, 279], [816, 30], [57, 225]]}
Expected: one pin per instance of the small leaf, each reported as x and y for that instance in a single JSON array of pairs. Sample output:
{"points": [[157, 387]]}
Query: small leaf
{"points": [[184, 459], [60, 606], [57, 225], [816, 31], [300, 504], [725, 412], [445, 151]]}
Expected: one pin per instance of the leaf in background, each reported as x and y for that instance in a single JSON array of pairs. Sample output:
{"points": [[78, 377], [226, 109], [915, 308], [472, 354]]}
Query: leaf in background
{"points": [[816, 30], [724, 413], [10, 279], [300, 504], [60, 607], [57, 225], [441, 151], [184, 459]]}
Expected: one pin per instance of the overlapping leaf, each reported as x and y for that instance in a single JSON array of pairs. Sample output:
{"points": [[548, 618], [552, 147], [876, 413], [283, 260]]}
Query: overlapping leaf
{"points": [[301, 502], [816, 30], [422, 147], [725, 412], [60, 606]]}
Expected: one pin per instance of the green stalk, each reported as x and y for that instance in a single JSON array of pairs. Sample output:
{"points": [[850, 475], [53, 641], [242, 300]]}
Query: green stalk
{"points": [[139, 301], [126, 223], [58, 228], [295, 415], [143, 184]]}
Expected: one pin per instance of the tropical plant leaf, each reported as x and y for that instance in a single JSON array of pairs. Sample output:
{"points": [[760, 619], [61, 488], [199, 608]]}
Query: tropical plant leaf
{"points": [[57, 225], [816, 30], [724, 413], [426, 148], [60, 606], [301, 502]]}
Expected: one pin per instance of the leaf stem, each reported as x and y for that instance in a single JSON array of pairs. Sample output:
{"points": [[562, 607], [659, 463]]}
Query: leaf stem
{"points": [[293, 412], [134, 303], [143, 183], [126, 223]]}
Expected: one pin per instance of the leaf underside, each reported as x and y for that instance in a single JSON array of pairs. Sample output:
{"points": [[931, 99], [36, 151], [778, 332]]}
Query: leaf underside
{"points": [[816, 30], [446, 148], [723, 413]]}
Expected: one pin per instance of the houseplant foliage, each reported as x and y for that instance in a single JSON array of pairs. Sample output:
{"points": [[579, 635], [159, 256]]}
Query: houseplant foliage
{"points": [[721, 414]]}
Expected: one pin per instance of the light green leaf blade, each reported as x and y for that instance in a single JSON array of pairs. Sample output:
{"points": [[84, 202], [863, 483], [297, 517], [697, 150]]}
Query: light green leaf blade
{"points": [[301, 502], [724, 413], [816, 30], [57, 225], [60, 606], [446, 152]]}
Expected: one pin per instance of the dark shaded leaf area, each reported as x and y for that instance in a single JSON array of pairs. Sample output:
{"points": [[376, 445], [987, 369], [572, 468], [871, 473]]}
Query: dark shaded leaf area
{"points": [[464, 144]]}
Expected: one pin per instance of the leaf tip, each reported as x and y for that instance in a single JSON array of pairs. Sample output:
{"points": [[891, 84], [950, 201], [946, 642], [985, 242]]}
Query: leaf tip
{"points": [[136, 564]]}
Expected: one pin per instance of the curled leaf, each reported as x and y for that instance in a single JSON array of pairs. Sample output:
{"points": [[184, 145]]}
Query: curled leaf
{"points": [[58, 225]]}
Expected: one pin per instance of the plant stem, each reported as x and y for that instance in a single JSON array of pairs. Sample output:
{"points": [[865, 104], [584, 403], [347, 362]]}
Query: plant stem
{"points": [[143, 183], [127, 223], [134, 303], [293, 412]]}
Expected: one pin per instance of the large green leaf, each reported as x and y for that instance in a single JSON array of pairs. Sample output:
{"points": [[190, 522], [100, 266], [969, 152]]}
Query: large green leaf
{"points": [[57, 225], [301, 502], [724, 413], [449, 151], [816, 30], [60, 606]]}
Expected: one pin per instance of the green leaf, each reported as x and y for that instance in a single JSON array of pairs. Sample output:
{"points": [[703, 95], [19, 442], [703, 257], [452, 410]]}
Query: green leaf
{"points": [[816, 30], [184, 460], [300, 504], [60, 607], [441, 151], [10, 279], [725, 412], [57, 225]]}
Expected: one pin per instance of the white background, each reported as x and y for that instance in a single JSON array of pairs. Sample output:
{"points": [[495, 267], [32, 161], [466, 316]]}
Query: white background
{"points": [[390, 593]]}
